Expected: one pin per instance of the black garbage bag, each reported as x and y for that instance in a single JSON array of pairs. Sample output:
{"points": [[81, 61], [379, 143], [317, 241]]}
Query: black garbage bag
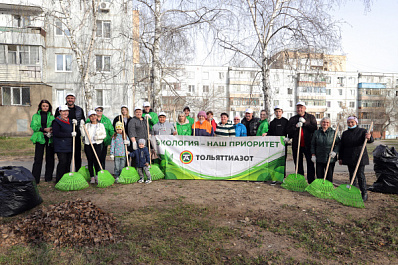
{"points": [[386, 167], [18, 191]]}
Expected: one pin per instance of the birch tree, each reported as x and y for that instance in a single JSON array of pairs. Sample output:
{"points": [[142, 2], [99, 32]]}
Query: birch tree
{"points": [[259, 29]]}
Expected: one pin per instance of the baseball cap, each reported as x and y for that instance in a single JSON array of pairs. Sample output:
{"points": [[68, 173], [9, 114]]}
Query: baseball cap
{"points": [[146, 104], [137, 108], [249, 110], [92, 112], [162, 113], [70, 94], [277, 107], [63, 107], [300, 103]]}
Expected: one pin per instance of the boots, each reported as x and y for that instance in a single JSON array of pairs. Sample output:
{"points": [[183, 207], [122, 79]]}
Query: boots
{"points": [[362, 182]]}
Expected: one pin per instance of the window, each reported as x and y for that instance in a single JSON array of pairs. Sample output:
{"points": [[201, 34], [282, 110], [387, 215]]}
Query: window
{"points": [[327, 115], [60, 95], [60, 29], [20, 21], [328, 92], [206, 88], [3, 59], [352, 92], [191, 88], [103, 29], [12, 54], [276, 90], [29, 55], [289, 115], [252, 74], [276, 102], [64, 62], [317, 115], [352, 104], [328, 80], [191, 75], [290, 103], [221, 89], [340, 81], [340, 103], [221, 75], [328, 104], [100, 97], [340, 92], [290, 91], [103, 63], [16, 54], [176, 86], [205, 75], [15, 96]]}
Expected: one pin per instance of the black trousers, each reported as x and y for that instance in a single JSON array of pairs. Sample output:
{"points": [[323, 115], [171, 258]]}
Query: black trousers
{"points": [[361, 184], [38, 161], [64, 160], [91, 159], [304, 151], [78, 152], [102, 154], [321, 168]]}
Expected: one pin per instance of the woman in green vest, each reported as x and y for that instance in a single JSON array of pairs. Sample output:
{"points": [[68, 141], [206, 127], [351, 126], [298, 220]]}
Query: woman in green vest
{"points": [[183, 125], [42, 138], [263, 127]]}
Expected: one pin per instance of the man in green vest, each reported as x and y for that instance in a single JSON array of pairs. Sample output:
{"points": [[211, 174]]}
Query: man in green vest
{"points": [[149, 114]]}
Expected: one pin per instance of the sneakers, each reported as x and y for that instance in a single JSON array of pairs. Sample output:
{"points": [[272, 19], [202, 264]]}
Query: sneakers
{"points": [[141, 181], [96, 179], [92, 180], [273, 183], [117, 180], [148, 181]]}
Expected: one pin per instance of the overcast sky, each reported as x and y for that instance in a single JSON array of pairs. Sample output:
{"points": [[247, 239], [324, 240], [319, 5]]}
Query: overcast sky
{"points": [[370, 38]]}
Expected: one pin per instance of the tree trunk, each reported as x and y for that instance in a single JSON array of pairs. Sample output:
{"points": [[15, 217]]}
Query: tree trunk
{"points": [[153, 95]]}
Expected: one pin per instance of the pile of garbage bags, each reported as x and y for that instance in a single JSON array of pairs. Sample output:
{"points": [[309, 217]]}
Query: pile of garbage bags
{"points": [[386, 167]]}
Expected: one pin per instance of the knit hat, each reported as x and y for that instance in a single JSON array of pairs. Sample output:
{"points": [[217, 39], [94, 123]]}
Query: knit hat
{"points": [[141, 141], [119, 125], [202, 113]]}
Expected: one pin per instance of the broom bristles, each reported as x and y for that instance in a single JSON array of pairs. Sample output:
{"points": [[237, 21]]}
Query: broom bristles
{"points": [[105, 179], [156, 172], [72, 181], [295, 182], [348, 195], [84, 172], [128, 175], [321, 188]]}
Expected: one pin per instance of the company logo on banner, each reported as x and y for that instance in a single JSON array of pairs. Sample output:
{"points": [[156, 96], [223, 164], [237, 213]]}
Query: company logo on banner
{"points": [[254, 158], [186, 157]]}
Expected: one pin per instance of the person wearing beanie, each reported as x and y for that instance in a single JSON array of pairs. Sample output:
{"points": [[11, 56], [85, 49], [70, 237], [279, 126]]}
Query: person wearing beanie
{"points": [[142, 160], [118, 150], [202, 127]]}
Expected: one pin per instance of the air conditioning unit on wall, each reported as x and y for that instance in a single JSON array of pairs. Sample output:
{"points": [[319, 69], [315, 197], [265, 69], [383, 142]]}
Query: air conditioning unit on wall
{"points": [[104, 6]]}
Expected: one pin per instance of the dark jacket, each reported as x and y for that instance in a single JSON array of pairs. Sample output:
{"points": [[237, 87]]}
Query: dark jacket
{"points": [[62, 136], [138, 129], [309, 127], [278, 127], [74, 113], [141, 156], [321, 145], [251, 126], [351, 146]]}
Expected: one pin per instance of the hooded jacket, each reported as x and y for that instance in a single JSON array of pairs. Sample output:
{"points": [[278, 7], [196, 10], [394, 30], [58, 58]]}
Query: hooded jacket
{"points": [[263, 128], [38, 134], [240, 130], [141, 156]]}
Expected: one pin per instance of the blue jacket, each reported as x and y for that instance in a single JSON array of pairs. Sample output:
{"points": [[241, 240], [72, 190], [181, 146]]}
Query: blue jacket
{"points": [[240, 130], [141, 156], [62, 136]]}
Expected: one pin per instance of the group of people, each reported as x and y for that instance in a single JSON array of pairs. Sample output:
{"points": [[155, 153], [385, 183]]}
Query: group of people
{"points": [[130, 134]]}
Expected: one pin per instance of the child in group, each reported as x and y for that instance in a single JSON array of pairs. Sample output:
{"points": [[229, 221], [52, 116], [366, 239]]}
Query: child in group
{"points": [[142, 160], [118, 150]]}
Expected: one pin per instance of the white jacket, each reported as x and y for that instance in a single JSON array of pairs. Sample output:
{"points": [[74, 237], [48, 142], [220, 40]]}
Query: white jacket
{"points": [[96, 131]]}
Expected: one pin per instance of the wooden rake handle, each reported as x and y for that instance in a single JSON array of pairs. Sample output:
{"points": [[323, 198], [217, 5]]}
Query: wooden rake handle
{"points": [[92, 146], [331, 150], [149, 142], [73, 148], [174, 118], [125, 146], [360, 156]]}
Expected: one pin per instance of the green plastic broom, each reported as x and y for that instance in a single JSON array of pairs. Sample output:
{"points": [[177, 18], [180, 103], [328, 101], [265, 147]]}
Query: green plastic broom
{"points": [[295, 182], [156, 172], [72, 180], [323, 188], [105, 178], [128, 174], [348, 194], [85, 172]]}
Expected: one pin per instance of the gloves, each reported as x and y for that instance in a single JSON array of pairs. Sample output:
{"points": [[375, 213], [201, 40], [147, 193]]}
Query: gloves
{"points": [[73, 134], [74, 121], [112, 157], [313, 159], [286, 140], [299, 124], [95, 138], [148, 116], [126, 142], [302, 120], [332, 154], [82, 122], [49, 135], [134, 145]]}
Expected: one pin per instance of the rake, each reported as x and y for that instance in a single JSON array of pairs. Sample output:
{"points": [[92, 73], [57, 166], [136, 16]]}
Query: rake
{"points": [[348, 194], [72, 180], [323, 188], [105, 178], [129, 174], [85, 172], [296, 182], [156, 172]]}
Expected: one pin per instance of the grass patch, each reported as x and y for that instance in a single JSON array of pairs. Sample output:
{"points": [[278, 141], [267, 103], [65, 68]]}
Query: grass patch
{"points": [[16, 146]]}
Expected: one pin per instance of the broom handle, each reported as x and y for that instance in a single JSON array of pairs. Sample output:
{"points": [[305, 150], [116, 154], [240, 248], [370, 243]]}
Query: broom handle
{"points": [[125, 146], [73, 149], [174, 118], [194, 127], [92, 146], [360, 156], [298, 150], [149, 142], [327, 165]]}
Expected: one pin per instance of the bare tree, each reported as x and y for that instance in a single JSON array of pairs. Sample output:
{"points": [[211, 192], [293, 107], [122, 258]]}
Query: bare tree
{"points": [[262, 28]]}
